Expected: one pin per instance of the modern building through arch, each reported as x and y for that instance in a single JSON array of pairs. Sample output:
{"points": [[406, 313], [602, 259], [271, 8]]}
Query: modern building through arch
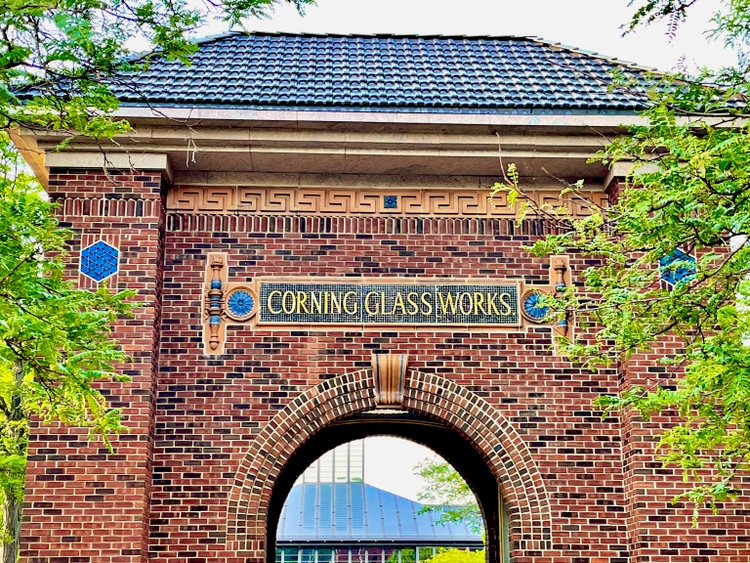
{"points": [[343, 509], [306, 221]]}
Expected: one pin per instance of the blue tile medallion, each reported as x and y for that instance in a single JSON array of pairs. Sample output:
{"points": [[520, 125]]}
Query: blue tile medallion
{"points": [[677, 267], [99, 261], [241, 303], [533, 310]]}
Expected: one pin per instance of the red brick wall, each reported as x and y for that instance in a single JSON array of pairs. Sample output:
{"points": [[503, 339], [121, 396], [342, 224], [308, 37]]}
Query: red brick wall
{"points": [[604, 505], [659, 528], [227, 401]]}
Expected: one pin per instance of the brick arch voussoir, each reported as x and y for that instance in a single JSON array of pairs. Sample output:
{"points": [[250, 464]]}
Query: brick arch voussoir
{"points": [[307, 414], [502, 447], [433, 396]]}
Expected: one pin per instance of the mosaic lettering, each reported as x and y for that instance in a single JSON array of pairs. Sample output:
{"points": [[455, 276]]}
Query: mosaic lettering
{"points": [[341, 303]]}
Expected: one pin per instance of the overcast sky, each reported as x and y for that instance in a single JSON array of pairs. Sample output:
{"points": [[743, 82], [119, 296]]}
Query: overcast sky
{"points": [[591, 25], [389, 464]]}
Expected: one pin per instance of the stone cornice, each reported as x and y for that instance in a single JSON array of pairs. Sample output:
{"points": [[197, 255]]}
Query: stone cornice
{"points": [[441, 151], [217, 115], [557, 147]]}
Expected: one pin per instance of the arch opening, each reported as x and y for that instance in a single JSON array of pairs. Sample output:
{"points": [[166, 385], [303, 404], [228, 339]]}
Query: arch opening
{"points": [[409, 426], [341, 404]]}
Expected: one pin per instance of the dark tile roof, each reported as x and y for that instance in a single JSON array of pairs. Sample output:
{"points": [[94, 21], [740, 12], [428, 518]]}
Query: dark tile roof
{"points": [[386, 73], [351, 513]]}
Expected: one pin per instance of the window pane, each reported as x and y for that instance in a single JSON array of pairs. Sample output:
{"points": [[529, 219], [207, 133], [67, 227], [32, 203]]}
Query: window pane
{"points": [[374, 555]]}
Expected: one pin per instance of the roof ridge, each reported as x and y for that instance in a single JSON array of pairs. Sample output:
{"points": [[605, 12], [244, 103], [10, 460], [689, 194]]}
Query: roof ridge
{"points": [[530, 38], [370, 35], [217, 36]]}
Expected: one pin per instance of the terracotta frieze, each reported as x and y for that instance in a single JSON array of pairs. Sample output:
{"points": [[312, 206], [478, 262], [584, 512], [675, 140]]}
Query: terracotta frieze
{"points": [[362, 202]]}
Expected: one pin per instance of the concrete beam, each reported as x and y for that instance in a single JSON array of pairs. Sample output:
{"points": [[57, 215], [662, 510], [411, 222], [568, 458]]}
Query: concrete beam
{"points": [[113, 160]]}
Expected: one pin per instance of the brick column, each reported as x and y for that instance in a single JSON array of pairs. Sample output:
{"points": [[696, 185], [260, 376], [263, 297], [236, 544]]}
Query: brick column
{"points": [[84, 503]]}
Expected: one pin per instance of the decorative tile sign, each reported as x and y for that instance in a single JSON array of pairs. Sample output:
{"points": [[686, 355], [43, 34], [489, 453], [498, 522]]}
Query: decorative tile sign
{"points": [[419, 303], [295, 302]]}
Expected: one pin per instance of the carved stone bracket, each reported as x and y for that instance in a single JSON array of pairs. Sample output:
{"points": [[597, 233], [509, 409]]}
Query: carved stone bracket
{"points": [[389, 371], [560, 280], [533, 308], [215, 301]]}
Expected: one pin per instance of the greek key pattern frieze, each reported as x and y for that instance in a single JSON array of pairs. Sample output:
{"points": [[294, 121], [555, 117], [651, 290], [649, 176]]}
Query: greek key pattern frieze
{"points": [[363, 202]]}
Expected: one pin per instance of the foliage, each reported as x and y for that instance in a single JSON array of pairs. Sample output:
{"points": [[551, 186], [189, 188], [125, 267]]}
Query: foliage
{"points": [[730, 24], [688, 191], [453, 555], [446, 493], [443, 555], [407, 556], [59, 56], [60, 335], [14, 426], [54, 339], [58, 61]]}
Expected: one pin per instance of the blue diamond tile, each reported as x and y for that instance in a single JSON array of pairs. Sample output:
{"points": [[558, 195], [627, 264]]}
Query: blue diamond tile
{"points": [[99, 261]]}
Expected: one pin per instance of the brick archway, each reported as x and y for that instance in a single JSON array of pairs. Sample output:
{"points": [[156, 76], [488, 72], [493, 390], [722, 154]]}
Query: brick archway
{"points": [[430, 395]]}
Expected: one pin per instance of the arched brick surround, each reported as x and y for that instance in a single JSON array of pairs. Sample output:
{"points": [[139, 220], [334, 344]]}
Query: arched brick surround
{"points": [[429, 395]]}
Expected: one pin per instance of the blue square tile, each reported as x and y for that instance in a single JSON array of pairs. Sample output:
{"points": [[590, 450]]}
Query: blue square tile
{"points": [[390, 202]]}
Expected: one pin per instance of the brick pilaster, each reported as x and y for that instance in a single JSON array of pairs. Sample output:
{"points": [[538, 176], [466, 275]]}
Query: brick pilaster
{"points": [[84, 503], [660, 529]]}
